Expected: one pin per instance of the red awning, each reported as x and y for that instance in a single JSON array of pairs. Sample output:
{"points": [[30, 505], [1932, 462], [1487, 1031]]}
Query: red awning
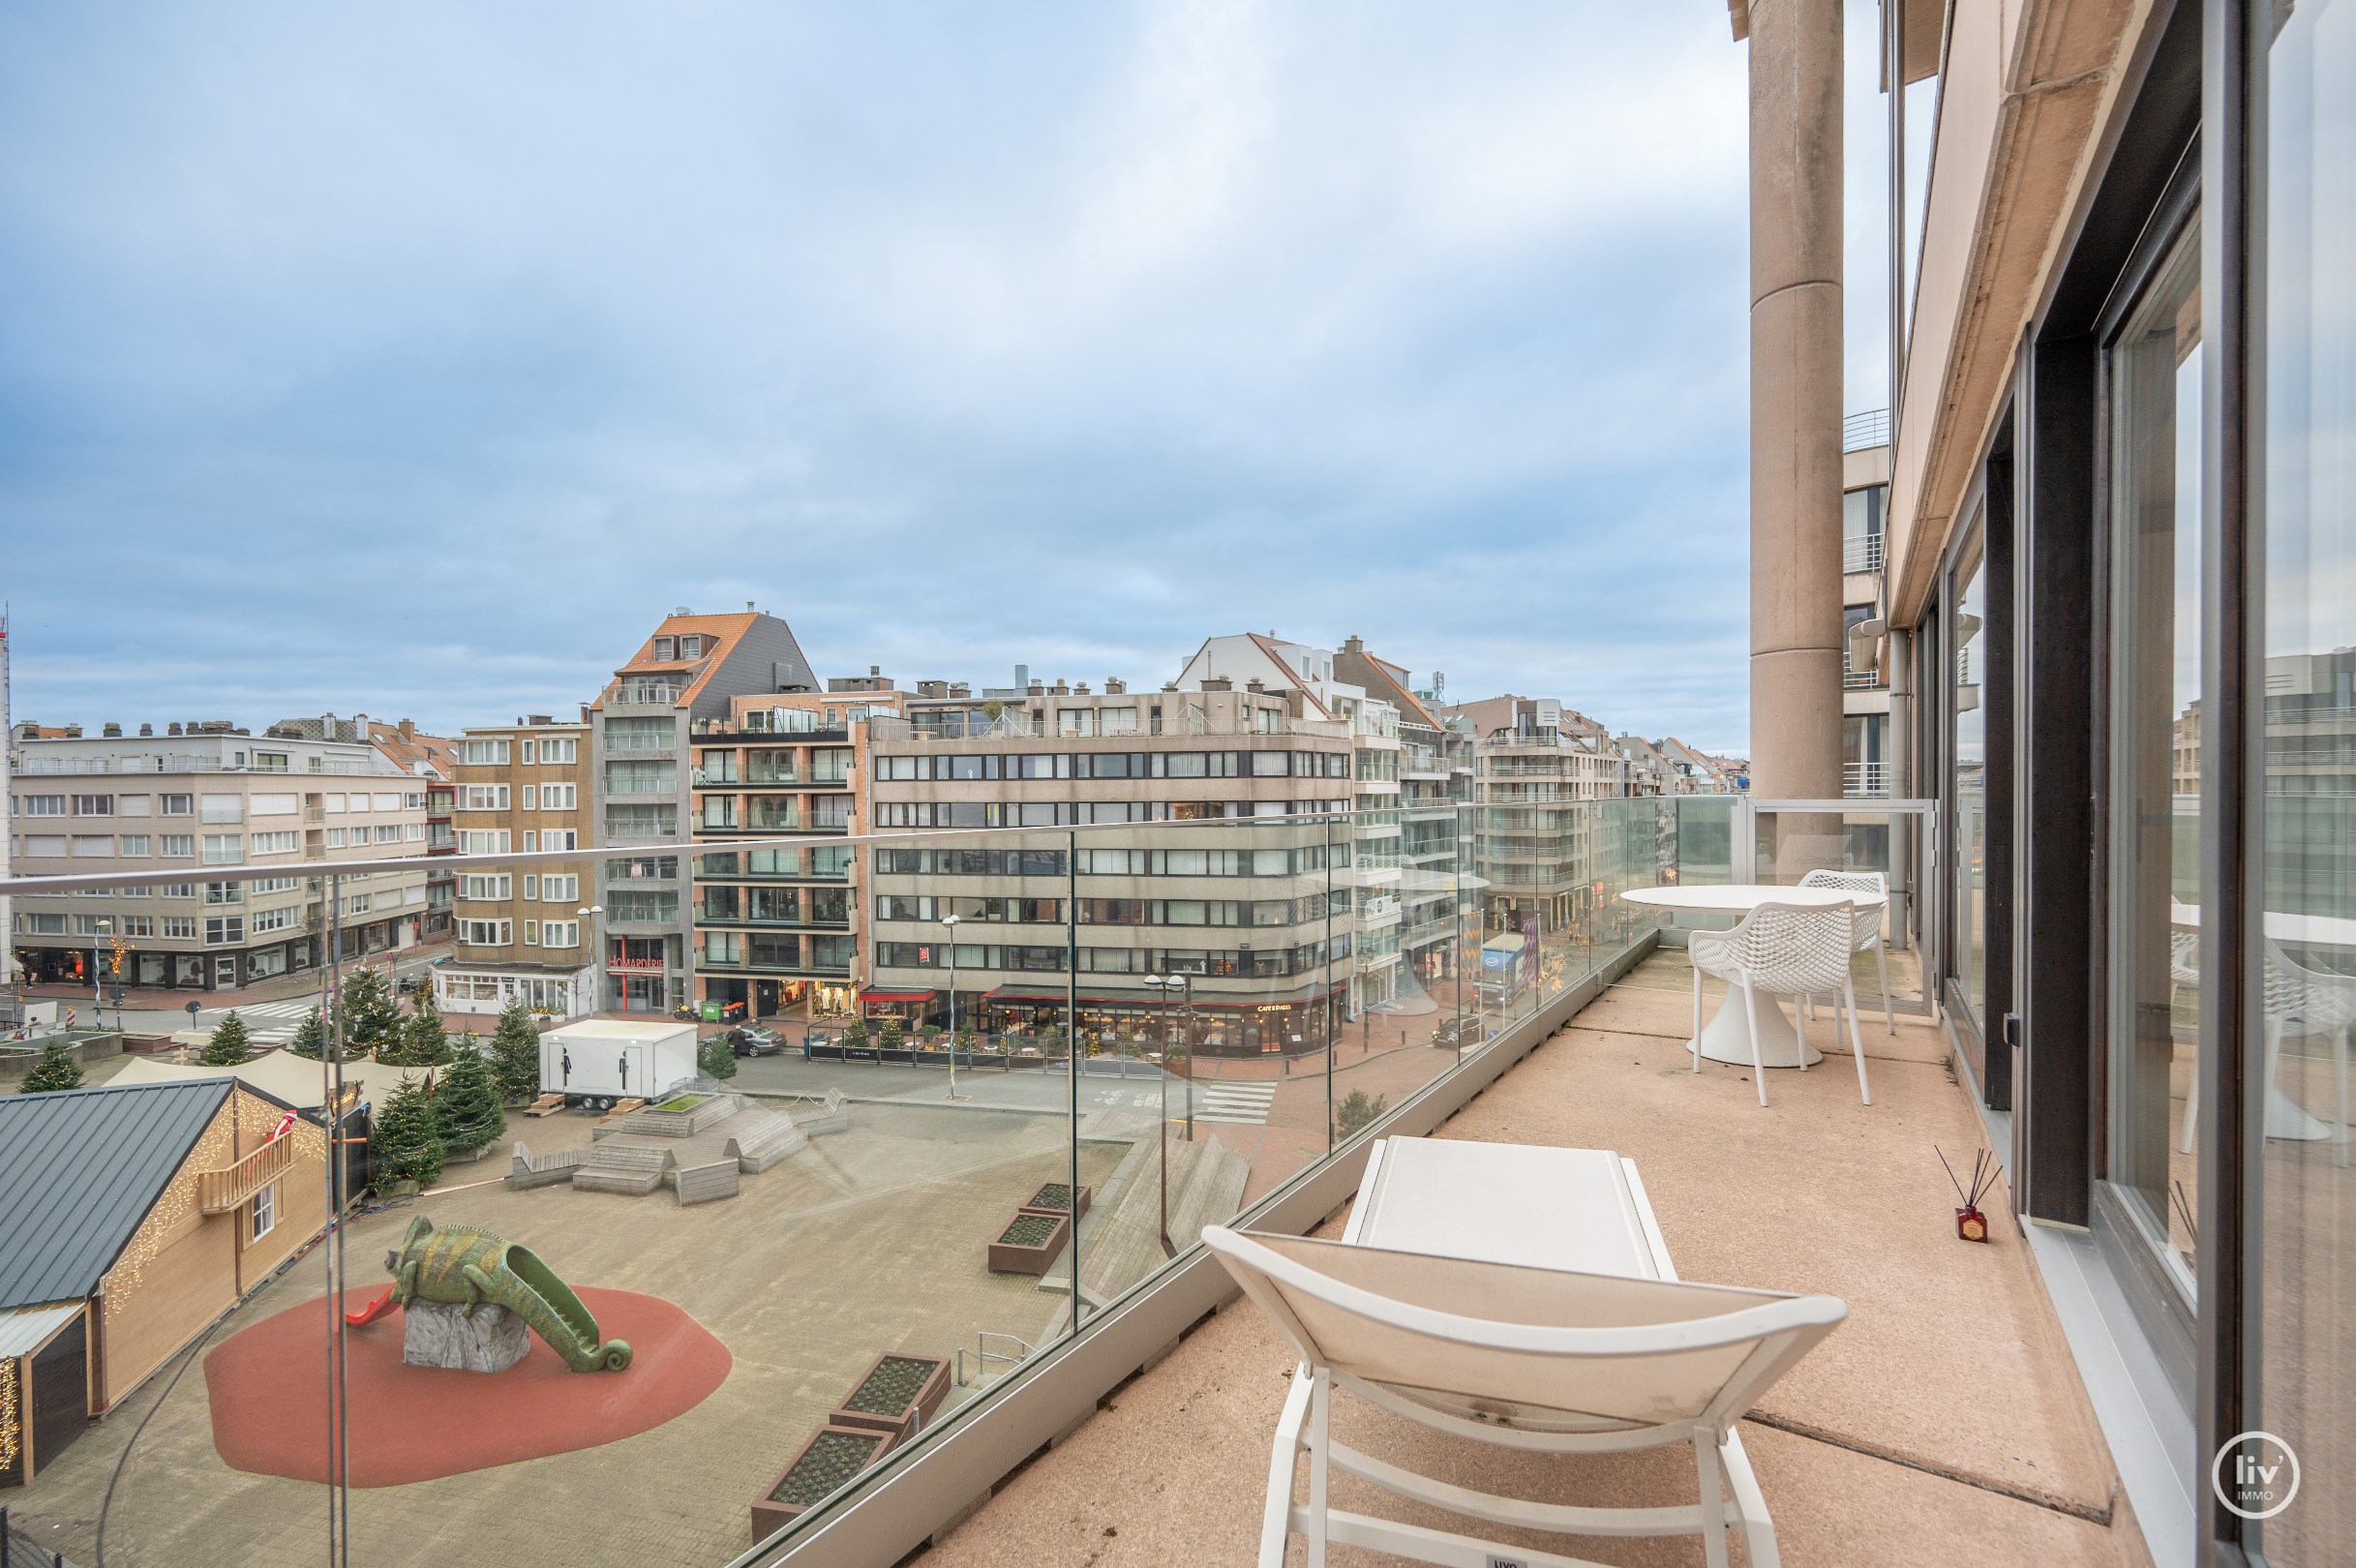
{"points": [[898, 996]]}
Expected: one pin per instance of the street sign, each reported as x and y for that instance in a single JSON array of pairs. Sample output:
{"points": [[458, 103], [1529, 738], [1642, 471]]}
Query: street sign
{"points": [[194, 1008]]}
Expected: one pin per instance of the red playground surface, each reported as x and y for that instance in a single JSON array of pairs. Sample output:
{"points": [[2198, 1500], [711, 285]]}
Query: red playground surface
{"points": [[268, 1387]]}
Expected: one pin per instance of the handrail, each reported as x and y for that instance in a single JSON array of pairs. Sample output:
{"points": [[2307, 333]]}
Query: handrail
{"points": [[219, 1191]]}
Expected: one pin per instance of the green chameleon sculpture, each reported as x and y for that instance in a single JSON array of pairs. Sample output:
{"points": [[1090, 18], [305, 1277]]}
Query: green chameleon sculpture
{"points": [[463, 1265]]}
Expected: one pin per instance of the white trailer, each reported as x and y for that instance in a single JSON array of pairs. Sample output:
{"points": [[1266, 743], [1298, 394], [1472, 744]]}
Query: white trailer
{"points": [[602, 1060]]}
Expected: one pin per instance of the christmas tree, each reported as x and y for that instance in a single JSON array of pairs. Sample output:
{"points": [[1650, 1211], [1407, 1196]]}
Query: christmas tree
{"points": [[515, 1052], [716, 1058], [56, 1069], [309, 1036], [228, 1045], [371, 1018], [421, 1040], [407, 1144], [467, 1105]]}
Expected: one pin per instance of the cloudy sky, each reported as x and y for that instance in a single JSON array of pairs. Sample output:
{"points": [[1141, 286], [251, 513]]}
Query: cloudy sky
{"points": [[416, 359]]}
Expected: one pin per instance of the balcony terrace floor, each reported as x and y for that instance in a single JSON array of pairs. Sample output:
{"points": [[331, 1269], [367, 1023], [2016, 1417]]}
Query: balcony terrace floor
{"points": [[1943, 1423]]}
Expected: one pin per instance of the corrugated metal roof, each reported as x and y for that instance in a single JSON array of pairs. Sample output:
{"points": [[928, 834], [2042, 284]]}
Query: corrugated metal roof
{"points": [[23, 1331], [80, 1170]]}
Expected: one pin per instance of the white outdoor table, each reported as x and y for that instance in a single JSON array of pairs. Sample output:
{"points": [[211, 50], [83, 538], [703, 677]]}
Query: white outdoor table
{"points": [[1727, 1036], [1582, 1209]]}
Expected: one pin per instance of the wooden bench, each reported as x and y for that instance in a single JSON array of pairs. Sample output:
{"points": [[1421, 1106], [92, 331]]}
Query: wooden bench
{"points": [[762, 1139], [701, 1184], [623, 1169], [528, 1169], [545, 1106]]}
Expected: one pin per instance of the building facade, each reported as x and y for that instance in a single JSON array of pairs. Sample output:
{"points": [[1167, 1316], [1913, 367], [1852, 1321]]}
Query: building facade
{"points": [[523, 788], [689, 669], [208, 794], [1534, 760], [1217, 873], [777, 931]]}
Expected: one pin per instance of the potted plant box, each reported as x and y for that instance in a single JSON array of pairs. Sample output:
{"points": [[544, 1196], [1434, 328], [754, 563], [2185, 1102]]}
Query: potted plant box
{"points": [[833, 1456], [1055, 1197], [896, 1395], [1029, 1243]]}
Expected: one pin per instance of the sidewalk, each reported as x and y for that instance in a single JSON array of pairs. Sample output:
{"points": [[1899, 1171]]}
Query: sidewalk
{"points": [[278, 988]]}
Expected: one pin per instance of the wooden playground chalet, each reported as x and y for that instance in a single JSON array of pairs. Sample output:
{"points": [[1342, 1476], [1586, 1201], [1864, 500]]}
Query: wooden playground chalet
{"points": [[130, 1217]]}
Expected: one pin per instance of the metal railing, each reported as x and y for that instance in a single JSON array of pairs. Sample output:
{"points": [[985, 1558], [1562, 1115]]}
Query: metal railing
{"points": [[1862, 551], [1865, 780], [1868, 429]]}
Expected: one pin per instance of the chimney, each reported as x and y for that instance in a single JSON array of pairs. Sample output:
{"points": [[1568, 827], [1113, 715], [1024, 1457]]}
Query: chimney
{"points": [[1353, 645], [1080, 690], [748, 608], [74, 732], [1169, 685], [1062, 687], [408, 729], [1217, 684], [1114, 686], [173, 728], [875, 669], [1023, 678], [1256, 684], [958, 688], [111, 731], [146, 732], [1037, 688]]}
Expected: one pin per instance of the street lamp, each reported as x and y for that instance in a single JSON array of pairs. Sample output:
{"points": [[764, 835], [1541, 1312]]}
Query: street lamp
{"points": [[590, 913], [948, 923], [1185, 988]]}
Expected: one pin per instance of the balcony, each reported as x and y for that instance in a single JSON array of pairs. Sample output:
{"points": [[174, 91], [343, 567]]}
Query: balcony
{"points": [[1862, 553], [218, 1191], [632, 696], [1988, 1457], [1865, 780], [1861, 432]]}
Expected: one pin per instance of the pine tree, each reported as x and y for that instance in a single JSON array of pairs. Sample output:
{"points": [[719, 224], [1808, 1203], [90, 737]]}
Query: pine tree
{"points": [[56, 1069], [230, 1045], [407, 1144], [515, 1052], [371, 1018], [309, 1036], [714, 1057], [421, 1041], [467, 1105]]}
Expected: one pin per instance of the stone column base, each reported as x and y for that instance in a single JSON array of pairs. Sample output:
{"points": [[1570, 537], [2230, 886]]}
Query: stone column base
{"points": [[440, 1333]]}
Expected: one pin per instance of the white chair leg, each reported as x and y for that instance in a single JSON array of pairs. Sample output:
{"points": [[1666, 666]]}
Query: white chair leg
{"points": [[1320, 1442], [2184, 1143], [1880, 956], [1714, 1499], [1857, 1044], [1799, 1026], [1697, 1020], [1276, 1518], [1750, 1010]]}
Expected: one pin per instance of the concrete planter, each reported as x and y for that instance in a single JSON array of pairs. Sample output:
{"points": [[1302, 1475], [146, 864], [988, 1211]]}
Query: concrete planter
{"points": [[1030, 1243], [897, 1394], [833, 1456], [1050, 1199]]}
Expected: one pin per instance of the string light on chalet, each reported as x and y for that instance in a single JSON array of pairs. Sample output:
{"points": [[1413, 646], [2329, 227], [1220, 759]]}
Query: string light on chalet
{"points": [[1970, 1223]]}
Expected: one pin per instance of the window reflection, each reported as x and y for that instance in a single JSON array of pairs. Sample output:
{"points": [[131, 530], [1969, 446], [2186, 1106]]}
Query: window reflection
{"points": [[1969, 793]]}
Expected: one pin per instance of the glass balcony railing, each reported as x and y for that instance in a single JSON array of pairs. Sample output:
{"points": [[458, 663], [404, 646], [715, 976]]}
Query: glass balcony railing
{"points": [[1001, 1081]]}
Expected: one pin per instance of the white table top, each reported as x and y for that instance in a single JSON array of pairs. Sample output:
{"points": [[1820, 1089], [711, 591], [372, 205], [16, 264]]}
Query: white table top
{"points": [[2306, 930], [1743, 897], [1577, 1209]]}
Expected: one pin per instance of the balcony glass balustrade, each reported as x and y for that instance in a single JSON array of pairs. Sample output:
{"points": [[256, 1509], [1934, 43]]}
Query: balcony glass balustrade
{"points": [[919, 1206]]}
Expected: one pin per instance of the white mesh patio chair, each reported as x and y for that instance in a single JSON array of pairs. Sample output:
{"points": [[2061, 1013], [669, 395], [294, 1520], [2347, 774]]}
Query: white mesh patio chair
{"points": [[2324, 1003], [1531, 1359], [1783, 950], [1869, 921]]}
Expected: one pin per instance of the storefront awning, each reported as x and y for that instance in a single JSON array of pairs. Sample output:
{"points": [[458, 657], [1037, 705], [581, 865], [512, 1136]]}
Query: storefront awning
{"points": [[898, 996], [1154, 1000]]}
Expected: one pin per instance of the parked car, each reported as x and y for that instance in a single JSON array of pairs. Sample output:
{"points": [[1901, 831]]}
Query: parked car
{"points": [[755, 1039]]}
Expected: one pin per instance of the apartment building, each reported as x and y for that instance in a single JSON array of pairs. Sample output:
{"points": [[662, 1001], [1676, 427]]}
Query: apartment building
{"points": [[197, 796], [778, 930], [1221, 879], [1533, 760], [1871, 699], [419, 755], [689, 669], [533, 932], [1435, 773]]}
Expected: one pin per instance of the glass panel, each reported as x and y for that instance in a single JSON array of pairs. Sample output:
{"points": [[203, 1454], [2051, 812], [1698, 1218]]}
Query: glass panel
{"points": [[1967, 789], [2304, 1318], [2154, 383]]}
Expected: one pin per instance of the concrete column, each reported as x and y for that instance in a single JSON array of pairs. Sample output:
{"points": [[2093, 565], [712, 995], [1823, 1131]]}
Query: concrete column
{"points": [[1796, 397]]}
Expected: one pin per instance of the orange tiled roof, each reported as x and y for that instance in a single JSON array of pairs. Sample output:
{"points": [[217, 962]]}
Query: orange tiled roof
{"points": [[725, 628]]}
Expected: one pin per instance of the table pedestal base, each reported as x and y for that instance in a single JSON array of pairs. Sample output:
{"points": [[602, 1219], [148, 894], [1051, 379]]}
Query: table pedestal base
{"points": [[1727, 1036]]}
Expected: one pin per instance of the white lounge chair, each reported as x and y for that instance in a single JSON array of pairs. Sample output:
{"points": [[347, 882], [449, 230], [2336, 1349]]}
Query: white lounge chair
{"points": [[1870, 920], [1784, 949], [1523, 1358]]}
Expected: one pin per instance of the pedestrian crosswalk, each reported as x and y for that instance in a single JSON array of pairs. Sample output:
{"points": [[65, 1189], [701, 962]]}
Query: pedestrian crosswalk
{"points": [[1246, 1103], [269, 1023]]}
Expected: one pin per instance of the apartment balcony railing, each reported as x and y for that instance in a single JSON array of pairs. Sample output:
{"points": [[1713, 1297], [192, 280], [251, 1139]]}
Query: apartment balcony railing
{"points": [[623, 741], [643, 696], [704, 778], [1869, 429], [38, 765], [1862, 551], [1866, 780]]}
